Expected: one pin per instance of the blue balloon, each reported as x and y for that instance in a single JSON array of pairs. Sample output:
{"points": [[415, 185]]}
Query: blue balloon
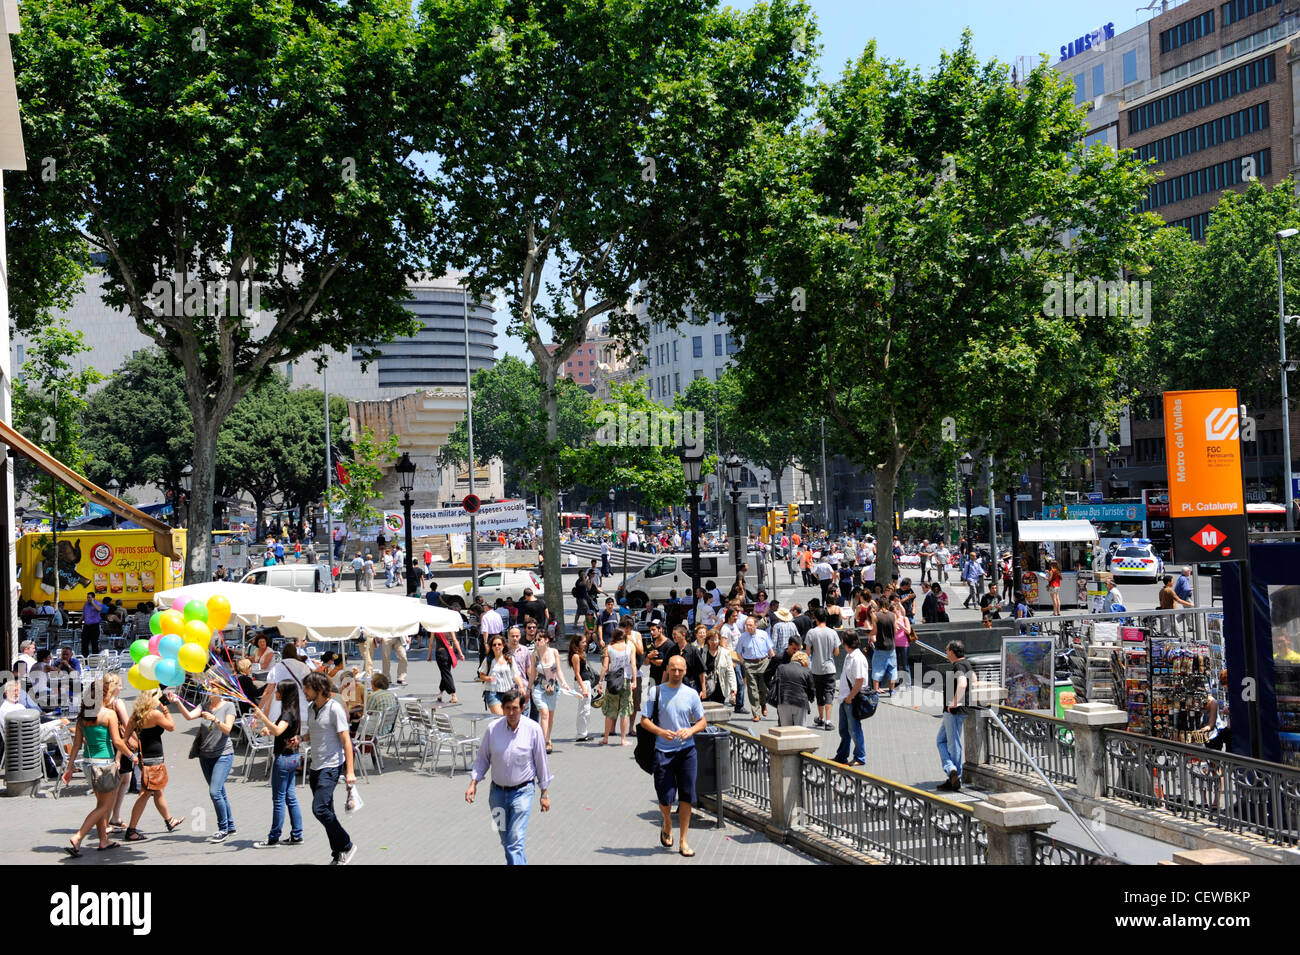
{"points": [[170, 645], [168, 673]]}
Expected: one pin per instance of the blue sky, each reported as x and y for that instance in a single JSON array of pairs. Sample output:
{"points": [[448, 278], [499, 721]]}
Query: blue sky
{"points": [[918, 30]]}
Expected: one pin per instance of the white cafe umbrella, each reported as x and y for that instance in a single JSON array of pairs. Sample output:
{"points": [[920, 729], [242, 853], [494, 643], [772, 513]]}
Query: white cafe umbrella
{"points": [[921, 515], [343, 616], [252, 604]]}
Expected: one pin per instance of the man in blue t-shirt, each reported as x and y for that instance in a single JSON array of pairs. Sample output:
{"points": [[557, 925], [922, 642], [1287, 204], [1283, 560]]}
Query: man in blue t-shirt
{"points": [[679, 716]]}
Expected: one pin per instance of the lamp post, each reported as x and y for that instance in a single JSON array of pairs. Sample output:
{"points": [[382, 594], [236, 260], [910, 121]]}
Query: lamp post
{"points": [[405, 468], [764, 486], [1286, 404], [967, 466], [114, 487], [612, 528], [692, 470], [627, 529], [733, 467], [187, 481]]}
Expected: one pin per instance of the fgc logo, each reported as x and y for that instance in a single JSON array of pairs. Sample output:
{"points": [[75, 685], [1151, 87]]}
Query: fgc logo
{"points": [[1222, 424]]}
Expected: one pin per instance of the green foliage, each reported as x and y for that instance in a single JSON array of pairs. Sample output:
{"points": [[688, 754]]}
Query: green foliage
{"points": [[49, 400], [510, 422], [353, 500], [897, 246]]}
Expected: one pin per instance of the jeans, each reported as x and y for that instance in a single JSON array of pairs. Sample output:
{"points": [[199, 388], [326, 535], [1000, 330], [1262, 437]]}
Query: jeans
{"points": [[849, 725], [949, 741], [510, 811], [903, 657], [322, 783], [215, 772], [740, 688], [283, 776]]}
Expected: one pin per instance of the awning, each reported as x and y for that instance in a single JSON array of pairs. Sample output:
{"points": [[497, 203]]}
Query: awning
{"points": [[162, 533]]}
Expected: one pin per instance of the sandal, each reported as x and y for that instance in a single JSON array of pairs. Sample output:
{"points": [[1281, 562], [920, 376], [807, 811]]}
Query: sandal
{"points": [[117, 825], [666, 839], [174, 824], [72, 850], [688, 853], [134, 835], [111, 845]]}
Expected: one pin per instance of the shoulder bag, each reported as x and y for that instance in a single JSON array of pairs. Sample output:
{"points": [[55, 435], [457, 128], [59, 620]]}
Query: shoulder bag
{"points": [[645, 740]]}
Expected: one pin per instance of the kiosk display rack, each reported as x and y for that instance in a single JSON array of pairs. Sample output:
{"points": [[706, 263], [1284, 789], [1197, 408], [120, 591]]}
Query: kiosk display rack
{"points": [[1130, 665], [1180, 688]]}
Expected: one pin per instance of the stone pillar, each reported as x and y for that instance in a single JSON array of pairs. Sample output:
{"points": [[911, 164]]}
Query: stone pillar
{"points": [[1209, 857], [718, 714], [1087, 721], [975, 750], [1011, 818], [785, 746]]}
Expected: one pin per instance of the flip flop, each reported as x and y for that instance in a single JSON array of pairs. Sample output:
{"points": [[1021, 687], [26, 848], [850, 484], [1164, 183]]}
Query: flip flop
{"points": [[111, 845], [666, 840], [72, 851], [688, 853]]}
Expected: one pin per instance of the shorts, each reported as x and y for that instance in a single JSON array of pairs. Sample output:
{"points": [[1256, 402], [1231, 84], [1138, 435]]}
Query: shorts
{"points": [[884, 663], [615, 705], [675, 776], [543, 700], [825, 685], [491, 698]]}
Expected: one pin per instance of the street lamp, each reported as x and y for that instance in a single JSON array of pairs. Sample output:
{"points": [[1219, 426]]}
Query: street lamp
{"points": [[765, 485], [187, 481], [405, 469], [114, 487], [733, 468], [693, 471], [967, 466], [1287, 494]]}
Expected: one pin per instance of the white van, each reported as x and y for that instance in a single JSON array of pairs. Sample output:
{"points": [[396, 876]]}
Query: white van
{"points": [[673, 572], [305, 578]]}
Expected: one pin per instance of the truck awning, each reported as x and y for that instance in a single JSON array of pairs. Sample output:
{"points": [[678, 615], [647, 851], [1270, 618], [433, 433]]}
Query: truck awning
{"points": [[162, 533], [1058, 531]]}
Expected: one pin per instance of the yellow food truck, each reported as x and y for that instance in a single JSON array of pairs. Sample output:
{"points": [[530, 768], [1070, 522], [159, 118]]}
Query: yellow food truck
{"points": [[120, 564]]}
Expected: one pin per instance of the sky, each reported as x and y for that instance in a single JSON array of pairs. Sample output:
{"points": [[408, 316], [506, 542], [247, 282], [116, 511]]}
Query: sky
{"points": [[917, 31]]}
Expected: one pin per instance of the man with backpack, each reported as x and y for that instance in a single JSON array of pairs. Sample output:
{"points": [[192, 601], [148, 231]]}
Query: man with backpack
{"points": [[674, 713]]}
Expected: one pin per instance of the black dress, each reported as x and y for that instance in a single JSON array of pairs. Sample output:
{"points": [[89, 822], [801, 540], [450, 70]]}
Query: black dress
{"points": [[442, 655]]}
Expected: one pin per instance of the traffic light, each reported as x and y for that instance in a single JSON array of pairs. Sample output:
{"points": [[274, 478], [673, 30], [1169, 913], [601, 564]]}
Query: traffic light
{"points": [[791, 513]]}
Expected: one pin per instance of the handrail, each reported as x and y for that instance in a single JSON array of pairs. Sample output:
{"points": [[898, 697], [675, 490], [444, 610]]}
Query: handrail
{"points": [[1046, 717], [1201, 752], [891, 784]]}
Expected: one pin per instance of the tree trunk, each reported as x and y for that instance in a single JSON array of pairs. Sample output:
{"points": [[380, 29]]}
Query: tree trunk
{"points": [[886, 484], [198, 542], [552, 574]]}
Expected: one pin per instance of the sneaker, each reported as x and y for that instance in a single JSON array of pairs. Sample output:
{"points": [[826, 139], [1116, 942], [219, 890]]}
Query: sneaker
{"points": [[218, 836], [954, 780], [346, 855], [292, 841], [857, 762], [268, 844], [944, 786]]}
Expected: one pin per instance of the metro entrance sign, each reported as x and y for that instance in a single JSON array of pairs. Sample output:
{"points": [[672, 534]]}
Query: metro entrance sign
{"points": [[1203, 457]]}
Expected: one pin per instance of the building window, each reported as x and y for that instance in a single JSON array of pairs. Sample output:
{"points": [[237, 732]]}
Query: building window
{"points": [[1098, 79], [20, 354], [699, 373], [1080, 93], [717, 344], [674, 351], [1130, 67], [579, 362], [677, 383], [697, 346]]}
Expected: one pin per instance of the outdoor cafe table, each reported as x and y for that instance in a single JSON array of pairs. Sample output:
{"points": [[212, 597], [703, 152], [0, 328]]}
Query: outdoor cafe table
{"points": [[474, 720]]}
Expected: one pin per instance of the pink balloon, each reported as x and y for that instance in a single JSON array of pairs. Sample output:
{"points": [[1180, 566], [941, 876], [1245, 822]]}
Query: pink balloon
{"points": [[179, 604], [153, 642]]}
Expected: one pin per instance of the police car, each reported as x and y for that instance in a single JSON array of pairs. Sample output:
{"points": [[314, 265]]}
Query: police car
{"points": [[1136, 557]]}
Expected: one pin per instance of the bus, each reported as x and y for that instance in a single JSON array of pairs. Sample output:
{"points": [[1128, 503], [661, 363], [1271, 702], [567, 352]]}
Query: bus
{"points": [[573, 521], [1266, 517]]}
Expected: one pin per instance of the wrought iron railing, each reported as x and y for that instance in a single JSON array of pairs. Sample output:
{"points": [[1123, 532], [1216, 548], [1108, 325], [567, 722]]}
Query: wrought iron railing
{"points": [[750, 777], [1048, 851], [876, 816], [1068, 629], [1231, 792], [1049, 741]]}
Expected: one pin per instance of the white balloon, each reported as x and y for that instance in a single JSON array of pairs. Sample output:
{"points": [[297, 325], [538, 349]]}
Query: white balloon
{"points": [[147, 664]]}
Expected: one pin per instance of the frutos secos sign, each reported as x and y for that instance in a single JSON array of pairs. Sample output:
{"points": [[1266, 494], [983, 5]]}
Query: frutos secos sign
{"points": [[1088, 41]]}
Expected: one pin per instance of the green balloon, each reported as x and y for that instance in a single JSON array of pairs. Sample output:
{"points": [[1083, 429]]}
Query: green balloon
{"points": [[196, 611], [139, 650], [155, 624]]}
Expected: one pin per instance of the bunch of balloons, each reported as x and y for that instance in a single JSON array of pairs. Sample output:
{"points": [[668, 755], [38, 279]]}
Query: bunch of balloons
{"points": [[179, 644]]}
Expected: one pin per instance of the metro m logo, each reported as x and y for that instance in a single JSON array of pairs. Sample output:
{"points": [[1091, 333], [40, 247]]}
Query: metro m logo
{"points": [[1221, 424]]}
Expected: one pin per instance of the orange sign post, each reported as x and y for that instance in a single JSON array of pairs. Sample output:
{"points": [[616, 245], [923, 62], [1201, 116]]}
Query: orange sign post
{"points": [[1207, 505]]}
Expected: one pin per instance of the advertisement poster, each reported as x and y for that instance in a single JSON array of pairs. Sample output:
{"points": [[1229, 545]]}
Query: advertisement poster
{"points": [[1207, 505], [120, 564], [434, 521], [1028, 674]]}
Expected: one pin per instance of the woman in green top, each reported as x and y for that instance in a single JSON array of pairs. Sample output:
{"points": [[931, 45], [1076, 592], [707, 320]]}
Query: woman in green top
{"points": [[98, 728]]}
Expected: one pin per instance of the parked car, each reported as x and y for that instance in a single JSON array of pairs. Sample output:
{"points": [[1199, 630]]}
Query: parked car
{"points": [[307, 578], [493, 585]]}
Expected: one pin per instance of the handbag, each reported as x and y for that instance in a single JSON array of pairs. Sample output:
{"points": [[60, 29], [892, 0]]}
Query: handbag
{"points": [[615, 681], [154, 776], [865, 704], [103, 775], [645, 740]]}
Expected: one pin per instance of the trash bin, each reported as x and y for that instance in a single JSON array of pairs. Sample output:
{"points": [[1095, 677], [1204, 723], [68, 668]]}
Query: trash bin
{"points": [[22, 752], [713, 760]]}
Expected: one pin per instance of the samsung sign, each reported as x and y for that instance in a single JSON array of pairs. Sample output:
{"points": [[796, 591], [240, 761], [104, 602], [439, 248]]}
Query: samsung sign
{"points": [[1088, 42]]}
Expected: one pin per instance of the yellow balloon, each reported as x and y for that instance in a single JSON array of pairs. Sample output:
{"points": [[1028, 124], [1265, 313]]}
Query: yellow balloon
{"points": [[139, 680], [196, 631], [218, 612], [193, 658], [172, 621]]}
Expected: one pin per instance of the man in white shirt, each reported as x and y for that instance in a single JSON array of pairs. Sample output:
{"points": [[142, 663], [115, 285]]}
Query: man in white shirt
{"points": [[853, 680], [388, 568], [942, 556], [822, 571]]}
